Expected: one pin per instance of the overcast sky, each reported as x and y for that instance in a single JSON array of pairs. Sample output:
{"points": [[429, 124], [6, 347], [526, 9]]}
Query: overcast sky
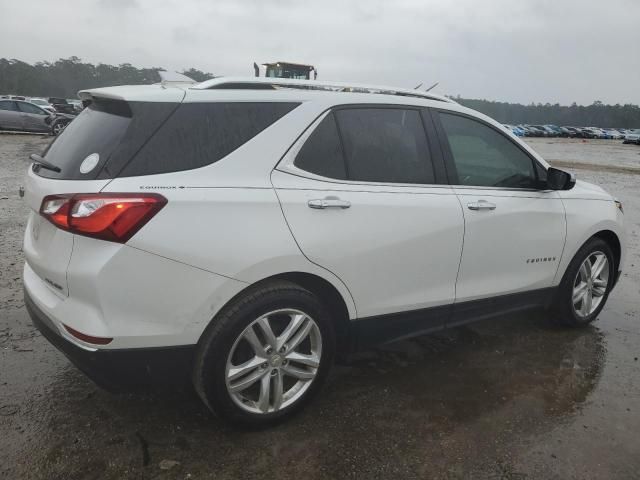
{"points": [[512, 50]]}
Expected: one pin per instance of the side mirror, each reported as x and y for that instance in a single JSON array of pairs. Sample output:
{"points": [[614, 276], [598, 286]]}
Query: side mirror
{"points": [[559, 179]]}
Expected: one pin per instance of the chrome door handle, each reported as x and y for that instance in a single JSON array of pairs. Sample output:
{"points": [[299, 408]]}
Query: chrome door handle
{"points": [[481, 205], [329, 202]]}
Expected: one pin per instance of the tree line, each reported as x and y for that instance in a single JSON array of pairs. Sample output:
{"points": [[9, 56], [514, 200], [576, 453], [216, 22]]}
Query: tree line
{"points": [[64, 77], [595, 115]]}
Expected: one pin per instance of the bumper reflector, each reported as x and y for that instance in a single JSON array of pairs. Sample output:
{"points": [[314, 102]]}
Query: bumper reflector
{"points": [[87, 338]]}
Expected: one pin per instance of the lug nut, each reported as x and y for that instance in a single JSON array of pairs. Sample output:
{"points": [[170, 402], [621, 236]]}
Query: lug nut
{"points": [[269, 351], [283, 349], [264, 365], [274, 372]]}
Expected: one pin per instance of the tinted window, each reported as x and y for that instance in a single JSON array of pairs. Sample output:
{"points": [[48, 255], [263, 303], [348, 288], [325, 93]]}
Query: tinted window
{"points": [[7, 105], [484, 157], [198, 134], [29, 108], [322, 152], [385, 145], [98, 129]]}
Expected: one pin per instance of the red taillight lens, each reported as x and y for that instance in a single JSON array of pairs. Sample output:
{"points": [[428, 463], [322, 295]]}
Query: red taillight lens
{"points": [[114, 217]]}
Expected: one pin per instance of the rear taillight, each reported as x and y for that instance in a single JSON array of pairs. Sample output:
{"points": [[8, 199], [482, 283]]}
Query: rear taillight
{"points": [[114, 217]]}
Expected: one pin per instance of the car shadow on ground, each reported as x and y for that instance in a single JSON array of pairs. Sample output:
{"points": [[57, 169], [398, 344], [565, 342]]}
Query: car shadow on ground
{"points": [[389, 409]]}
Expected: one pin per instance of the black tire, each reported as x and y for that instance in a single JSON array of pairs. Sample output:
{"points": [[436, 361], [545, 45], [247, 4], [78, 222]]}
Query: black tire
{"points": [[562, 308], [57, 128], [215, 345]]}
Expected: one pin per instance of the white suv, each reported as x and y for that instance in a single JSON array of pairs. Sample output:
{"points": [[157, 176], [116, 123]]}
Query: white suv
{"points": [[243, 233]]}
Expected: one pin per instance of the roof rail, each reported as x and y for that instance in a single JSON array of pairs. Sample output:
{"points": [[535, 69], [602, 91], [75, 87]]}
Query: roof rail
{"points": [[252, 83]]}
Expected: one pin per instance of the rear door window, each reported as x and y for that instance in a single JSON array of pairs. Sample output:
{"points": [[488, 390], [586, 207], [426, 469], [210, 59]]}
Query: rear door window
{"points": [[8, 105], [199, 134], [385, 145]]}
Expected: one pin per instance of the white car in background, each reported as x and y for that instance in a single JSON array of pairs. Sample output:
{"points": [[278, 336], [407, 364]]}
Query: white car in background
{"points": [[243, 233], [633, 136]]}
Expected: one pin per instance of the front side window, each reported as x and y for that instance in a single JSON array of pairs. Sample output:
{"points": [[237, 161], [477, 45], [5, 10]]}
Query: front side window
{"points": [[29, 108], [484, 157]]}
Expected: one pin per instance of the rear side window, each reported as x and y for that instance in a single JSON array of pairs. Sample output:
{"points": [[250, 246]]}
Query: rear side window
{"points": [[369, 145], [199, 134], [322, 152]]}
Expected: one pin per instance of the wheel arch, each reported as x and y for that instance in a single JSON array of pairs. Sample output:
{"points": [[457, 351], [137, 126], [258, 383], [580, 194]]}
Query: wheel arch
{"points": [[341, 310], [612, 239]]}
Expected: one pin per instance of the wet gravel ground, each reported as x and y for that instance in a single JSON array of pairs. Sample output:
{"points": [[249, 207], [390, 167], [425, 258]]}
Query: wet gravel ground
{"points": [[514, 397]]}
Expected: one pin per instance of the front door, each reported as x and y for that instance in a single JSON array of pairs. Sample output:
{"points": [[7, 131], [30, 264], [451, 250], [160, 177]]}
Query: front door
{"points": [[514, 226], [33, 117], [360, 195]]}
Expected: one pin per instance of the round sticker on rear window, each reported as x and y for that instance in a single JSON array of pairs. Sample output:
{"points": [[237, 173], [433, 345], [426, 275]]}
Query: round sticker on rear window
{"points": [[89, 163]]}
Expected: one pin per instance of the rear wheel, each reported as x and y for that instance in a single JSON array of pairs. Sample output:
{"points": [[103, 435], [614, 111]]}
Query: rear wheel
{"points": [[265, 355], [586, 284]]}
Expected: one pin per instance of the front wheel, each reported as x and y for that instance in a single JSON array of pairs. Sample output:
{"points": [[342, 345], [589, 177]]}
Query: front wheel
{"points": [[586, 284], [265, 355], [58, 127]]}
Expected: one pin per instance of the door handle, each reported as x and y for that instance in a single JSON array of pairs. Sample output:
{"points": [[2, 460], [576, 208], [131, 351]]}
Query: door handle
{"points": [[481, 205], [328, 202]]}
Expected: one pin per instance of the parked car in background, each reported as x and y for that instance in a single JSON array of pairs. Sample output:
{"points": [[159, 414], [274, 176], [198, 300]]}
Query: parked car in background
{"points": [[62, 105], [632, 136], [554, 129], [25, 116], [544, 131], [588, 132], [568, 132], [517, 131], [616, 134], [77, 104], [535, 132], [42, 103]]}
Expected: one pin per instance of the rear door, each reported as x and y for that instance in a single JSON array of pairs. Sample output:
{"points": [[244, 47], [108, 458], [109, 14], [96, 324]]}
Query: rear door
{"points": [[361, 191], [10, 117], [514, 225]]}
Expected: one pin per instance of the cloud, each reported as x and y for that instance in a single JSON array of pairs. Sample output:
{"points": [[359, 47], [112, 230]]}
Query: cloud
{"points": [[543, 51]]}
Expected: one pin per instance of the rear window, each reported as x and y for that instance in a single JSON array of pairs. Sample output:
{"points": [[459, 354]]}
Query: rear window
{"points": [[199, 134], [97, 130], [145, 138]]}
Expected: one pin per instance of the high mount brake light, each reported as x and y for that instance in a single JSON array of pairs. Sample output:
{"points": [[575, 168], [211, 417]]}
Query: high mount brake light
{"points": [[114, 217]]}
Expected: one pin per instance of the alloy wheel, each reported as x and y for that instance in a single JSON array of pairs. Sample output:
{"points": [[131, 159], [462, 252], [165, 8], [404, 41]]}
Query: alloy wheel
{"points": [[274, 361], [590, 284]]}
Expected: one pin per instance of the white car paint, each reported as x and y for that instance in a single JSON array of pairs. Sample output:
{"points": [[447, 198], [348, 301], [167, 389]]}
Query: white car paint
{"points": [[245, 218]]}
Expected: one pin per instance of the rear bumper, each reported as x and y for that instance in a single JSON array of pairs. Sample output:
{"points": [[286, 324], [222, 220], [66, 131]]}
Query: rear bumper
{"points": [[120, 369]]}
